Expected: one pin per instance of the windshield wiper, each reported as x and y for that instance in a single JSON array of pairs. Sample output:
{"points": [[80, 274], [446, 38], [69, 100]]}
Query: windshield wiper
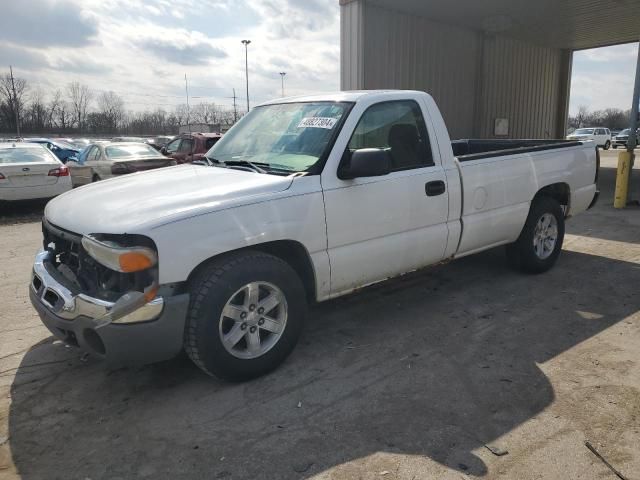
{"points": [[250, 166], [246, 164]]}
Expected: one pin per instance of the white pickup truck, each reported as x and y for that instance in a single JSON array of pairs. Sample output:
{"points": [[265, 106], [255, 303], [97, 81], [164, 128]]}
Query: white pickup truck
{"points": [[304, 200]]}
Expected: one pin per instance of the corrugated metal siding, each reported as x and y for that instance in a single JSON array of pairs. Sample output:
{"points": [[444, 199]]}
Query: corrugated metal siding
{"points": [[521, 82], [401, 51], [568, 24], [473, 78], [351, 59]]}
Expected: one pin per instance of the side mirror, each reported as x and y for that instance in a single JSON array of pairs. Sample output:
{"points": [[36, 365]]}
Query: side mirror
{"points": [[163, 150], [366, 162]]}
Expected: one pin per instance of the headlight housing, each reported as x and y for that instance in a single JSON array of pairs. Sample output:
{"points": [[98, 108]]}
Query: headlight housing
{"points": [[140, 261], [119, 258]]}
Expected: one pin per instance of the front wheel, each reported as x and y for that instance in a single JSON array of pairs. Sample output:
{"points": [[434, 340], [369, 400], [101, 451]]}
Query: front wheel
{"points": [[245, 316], [538, 247], [607, 145]]}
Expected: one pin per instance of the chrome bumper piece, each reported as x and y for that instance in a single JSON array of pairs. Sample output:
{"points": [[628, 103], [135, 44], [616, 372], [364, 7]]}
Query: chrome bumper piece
{"points": [[67, 305]]}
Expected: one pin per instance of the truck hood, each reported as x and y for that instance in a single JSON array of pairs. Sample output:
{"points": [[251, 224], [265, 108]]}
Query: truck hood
{"points": [[139, 201]]}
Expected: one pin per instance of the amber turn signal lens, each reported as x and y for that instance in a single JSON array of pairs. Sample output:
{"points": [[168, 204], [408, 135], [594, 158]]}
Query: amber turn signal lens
{"points": [[134, 262], [151, 293]]}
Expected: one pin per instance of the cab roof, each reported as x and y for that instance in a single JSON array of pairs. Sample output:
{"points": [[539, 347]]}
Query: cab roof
{"points": [[346, 96]]}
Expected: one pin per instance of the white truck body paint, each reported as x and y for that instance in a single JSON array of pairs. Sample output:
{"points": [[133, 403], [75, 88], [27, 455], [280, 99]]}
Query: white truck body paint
{"points": [[356, 232]]}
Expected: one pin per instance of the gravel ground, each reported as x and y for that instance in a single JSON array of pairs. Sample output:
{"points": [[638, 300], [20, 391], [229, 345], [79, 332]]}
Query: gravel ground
{"points": [[436, 375]]}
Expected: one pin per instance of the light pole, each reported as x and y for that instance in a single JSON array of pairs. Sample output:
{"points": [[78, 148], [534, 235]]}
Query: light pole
{"points": [[282, 74], [246, 67]]}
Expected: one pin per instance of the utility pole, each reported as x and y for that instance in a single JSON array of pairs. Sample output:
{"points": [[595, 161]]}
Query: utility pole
{"points": [[282, 74], [235, 108], [246, 67], [186, 89], [14, 101]]}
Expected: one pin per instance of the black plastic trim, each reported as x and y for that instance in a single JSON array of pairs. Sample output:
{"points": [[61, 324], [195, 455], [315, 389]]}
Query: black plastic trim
{"points": [[543, 145]]}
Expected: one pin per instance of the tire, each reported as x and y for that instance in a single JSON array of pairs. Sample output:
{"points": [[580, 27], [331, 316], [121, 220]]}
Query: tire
{"points": [[522, 254], [222, 285], [615, 147], [607, 145], [95, 178]]}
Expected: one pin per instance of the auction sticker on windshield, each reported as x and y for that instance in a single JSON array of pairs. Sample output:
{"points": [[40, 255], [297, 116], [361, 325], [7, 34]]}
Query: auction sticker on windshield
{"points": [[318, 122]]}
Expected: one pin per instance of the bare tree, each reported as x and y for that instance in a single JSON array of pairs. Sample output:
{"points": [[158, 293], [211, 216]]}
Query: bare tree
{"points": [[79, 98], [206, 113], [13, 94], [37, 111], [181, 114], [63, 115], [52, 109], [582, 116], [111, 109]]}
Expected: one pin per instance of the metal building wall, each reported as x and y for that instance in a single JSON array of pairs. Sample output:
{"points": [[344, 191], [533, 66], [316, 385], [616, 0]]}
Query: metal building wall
{"points": [[401, 51], [473, 77], [522, 83], [351, 41]]}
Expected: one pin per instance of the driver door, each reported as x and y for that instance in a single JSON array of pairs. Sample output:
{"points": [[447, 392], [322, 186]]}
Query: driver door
{"points": [[380, 227]]}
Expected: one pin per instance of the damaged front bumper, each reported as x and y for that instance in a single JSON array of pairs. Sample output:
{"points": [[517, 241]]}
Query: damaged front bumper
{"points": [[150, 333]]}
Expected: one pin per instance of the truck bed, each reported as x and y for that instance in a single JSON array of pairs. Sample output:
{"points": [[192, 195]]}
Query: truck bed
{"points": [[471, 149], [498, 187]]}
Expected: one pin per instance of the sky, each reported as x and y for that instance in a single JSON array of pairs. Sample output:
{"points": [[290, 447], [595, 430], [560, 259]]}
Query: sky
{"points": [[142, 49], [603, 78]]}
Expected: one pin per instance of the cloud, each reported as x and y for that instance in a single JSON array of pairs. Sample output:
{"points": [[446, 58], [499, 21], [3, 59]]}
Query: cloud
{"points": [[295, 18], [46, 23], [180, 46], [195, 54], [618, 53], [34, 60], [79, 64], [21, 57]]}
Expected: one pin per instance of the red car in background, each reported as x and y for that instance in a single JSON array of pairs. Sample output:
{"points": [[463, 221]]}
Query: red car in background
{"points": [[190, 146]]}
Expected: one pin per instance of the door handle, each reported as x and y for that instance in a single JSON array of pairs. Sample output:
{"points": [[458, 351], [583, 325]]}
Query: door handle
{"points": [[435, 188]]}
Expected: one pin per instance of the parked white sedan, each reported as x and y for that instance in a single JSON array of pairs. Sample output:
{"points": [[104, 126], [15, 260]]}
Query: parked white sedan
{"points": [[29, 171]]}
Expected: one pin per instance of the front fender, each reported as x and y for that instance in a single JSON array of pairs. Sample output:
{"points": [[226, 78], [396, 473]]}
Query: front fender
{"points": [[185, 244]]}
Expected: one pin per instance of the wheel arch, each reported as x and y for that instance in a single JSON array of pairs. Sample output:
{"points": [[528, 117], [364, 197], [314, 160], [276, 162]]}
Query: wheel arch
{"points": [[292, 252], [560, 192]]}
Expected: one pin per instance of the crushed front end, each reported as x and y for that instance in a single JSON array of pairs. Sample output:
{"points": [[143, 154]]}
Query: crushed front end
{"points": [[100, 293]]}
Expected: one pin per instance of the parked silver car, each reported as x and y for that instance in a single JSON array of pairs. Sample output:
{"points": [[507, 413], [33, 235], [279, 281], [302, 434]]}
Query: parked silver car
{"points": [[622, 138], [119, 158]]}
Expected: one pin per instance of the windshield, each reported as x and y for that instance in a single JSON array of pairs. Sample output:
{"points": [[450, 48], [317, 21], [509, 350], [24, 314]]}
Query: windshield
{"points": [[122, 151], [625, 131], [25, 155], [584, 131], [286, 136]]}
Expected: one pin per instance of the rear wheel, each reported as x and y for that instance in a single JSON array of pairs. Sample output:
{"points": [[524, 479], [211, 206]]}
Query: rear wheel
{"points": [[95, 178], [538, 247], [607, 145], [245, 316]]}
